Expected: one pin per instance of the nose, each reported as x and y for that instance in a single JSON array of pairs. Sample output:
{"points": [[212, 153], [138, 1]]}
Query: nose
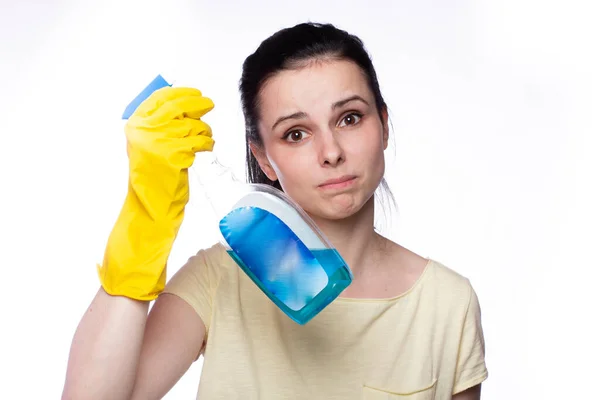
{"points": [[331, 152]]}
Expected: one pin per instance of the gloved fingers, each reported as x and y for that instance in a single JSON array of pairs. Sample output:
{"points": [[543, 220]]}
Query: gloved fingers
{"points": [[201, 143], [187, 127], [139, 131], [162, 96], [180, 138], [187, 147], [181, 107]]}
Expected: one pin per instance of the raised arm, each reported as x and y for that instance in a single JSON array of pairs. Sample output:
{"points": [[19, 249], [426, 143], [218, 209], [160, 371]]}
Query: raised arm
{"points": [[118, 353], [118, 350]]}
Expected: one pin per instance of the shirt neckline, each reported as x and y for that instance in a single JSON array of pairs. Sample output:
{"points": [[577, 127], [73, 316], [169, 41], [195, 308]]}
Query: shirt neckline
{"points": [[389, 299]]}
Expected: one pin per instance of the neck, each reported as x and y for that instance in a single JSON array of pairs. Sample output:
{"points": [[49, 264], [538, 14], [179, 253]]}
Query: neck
{"points": [[354, 237]]}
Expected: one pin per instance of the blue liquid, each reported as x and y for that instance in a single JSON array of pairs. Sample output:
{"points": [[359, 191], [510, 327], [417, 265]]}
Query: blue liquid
{"points": [[305, 287], [300, 281]]}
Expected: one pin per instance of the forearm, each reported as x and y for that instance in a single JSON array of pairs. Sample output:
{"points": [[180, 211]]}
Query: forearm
{"points": [[106, 348]]}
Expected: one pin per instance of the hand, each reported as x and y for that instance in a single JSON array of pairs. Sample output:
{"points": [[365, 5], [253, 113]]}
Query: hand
{"points": [[163, 136]]}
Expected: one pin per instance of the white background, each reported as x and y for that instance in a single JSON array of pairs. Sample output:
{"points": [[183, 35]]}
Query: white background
{"points": [[495, 108]]}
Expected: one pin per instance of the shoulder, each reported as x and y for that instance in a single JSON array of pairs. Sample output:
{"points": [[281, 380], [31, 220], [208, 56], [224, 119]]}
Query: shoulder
{"points": [[214, 253], [210, 263], [446, 277], [451, 289], [432, 273]]}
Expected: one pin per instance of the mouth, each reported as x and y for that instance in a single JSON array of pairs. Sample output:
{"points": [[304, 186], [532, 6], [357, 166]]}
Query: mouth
{"points": [[338, 183]]}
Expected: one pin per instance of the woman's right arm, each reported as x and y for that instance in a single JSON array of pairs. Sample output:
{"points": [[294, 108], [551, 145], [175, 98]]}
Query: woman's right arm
{"points": [[120, 352], [106, 348]]}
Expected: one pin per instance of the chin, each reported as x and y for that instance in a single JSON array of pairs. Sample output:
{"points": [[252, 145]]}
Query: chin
{"points": [[332, 215], [336, 209]]}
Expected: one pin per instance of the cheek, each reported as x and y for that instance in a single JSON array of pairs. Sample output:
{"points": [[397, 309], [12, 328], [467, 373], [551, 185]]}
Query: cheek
{"points": [[290, 168], [367, 150], [378, 161]]}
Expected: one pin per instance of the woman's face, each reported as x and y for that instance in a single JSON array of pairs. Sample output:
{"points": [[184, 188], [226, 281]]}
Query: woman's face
{"points": [[323, 138]]}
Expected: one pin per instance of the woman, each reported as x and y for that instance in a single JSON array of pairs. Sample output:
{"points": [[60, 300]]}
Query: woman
{"points": [[316, 127]]}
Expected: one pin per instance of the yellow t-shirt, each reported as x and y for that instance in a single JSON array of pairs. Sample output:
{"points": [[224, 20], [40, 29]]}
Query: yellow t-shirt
{"points": [[424, 344]]}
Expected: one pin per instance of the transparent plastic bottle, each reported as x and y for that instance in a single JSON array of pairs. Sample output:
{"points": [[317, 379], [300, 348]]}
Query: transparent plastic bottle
{"points": [[274, 242], [269, 236]]}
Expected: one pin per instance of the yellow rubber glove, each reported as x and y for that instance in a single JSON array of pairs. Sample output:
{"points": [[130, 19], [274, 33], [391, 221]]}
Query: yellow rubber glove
{"points": [[163, 135]]}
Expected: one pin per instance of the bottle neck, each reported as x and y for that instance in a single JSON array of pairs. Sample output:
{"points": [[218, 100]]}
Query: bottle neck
{"points": [[217, 183]]}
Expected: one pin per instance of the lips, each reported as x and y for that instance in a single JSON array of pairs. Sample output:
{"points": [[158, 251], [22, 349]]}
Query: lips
{"points": [[341, 181]]}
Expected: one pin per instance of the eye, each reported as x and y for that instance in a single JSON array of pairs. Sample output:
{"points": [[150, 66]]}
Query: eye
{"points": [[295, 136], [350, 119]]}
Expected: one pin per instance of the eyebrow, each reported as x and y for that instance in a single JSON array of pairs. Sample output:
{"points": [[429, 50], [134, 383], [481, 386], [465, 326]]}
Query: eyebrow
{"points": [[341, 103], [301, 114], [298, 115]]}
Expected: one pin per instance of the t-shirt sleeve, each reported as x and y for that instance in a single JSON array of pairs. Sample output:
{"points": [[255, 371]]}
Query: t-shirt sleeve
{"points": [[197, 280], [470, 368]]}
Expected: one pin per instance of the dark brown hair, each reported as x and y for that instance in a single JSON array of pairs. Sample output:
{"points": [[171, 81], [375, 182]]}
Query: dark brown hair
{"points": [[287, 49]]}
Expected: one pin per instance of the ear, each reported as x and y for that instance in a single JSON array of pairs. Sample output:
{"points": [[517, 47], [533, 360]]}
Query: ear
{"points": [[263, 161], [386, 127]]}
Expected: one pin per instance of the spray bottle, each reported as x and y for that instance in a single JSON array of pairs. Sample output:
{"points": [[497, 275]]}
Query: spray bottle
{"points": [[275, 243]]}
